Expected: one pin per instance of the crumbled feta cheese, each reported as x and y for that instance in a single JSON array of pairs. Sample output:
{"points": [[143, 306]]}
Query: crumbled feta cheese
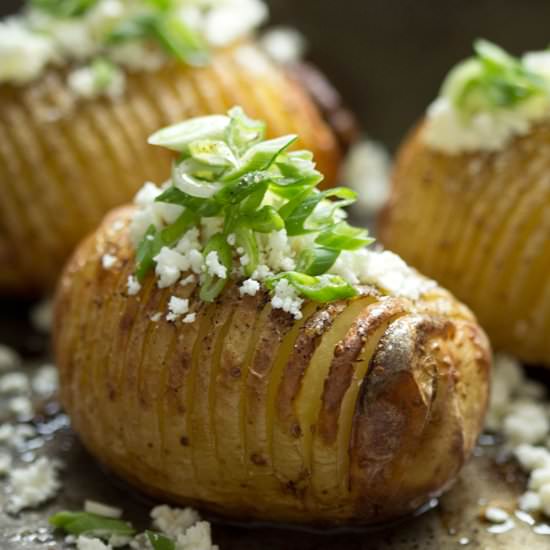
{"points": [[496, 515], [249, 287], [108, 261], [156, 317], [231, 239], [9, 358], [526, 422], [21, 406], [87, 543], [538, 478], [529, 502], [42, 316], [284, 44], [5, 463], [197, 537], [532, 458], [32, 485], [244, 260], [133, 285], [278, 251], [262, 272], [117, 541], [367, 172], [46, 380], [177, 307], [100, 509], [6, 432], [544, 495], [24, 54], [84, 83], [173, 521], [447, 129], [286, 298], [190, 318], [14, 382], [213, 265], [169, 265]]}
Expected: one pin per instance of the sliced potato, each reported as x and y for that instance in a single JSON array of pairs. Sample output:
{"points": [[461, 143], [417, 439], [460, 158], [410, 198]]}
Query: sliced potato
{"points": [[65, 161], [479, 224], [357, 413]]}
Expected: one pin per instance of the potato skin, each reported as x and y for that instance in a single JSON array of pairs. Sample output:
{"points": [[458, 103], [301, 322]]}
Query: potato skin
{"points": [[478, 223], [66, 161], [393, 404]]}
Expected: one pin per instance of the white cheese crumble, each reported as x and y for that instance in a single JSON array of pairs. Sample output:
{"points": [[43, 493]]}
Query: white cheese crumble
{"points": [[284, 44], [517, 409], [177, 307], [190, 318], [32, 485], [21, 406], [84, 83], [285, 297], [100, 509], [46, 380], [249, 287], [87, 543], [108, 261], [9, 358], [367, 171], [133, 285], [14, 382], [197, 537], [173, 521], [156, 317], [213, 265]]}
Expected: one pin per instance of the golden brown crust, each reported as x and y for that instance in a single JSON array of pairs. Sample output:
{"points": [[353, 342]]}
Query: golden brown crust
{"points": [[65, 161], [357, 413], [478, 224]]}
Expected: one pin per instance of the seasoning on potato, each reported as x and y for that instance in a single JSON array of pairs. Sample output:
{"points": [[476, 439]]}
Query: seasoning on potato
{"points": [[471, 196], [82, 85], [243, 351]]}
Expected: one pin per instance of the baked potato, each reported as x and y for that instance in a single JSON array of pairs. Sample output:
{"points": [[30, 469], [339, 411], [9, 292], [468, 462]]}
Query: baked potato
{"points": [[82, 157], [477, 221], [357, 413]]}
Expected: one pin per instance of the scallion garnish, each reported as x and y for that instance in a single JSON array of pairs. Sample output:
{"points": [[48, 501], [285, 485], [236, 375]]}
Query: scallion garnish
{"points": [[159, 541], [64, 8], [92, 525], [493, 79], [253, 187]]}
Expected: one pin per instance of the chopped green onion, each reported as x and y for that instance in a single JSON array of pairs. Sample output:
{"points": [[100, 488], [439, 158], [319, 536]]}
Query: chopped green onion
{"points": [[196, 187], [236, 191], [297, 211], [213, 153], [247, 240], [261, 156], [104, 71], [213, 285], [316, 260], [343, 236], [325, 288], [265, 220], [243, 132], [180, 40], [201, 207], [84, 523], [160, 542], [178, 136]]}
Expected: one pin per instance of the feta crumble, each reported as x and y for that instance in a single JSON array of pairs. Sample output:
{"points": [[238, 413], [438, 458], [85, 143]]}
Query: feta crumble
{"points": [[133, 285], [5, 463], [213, 265], [197, 537], [249, 287], [46, 380], [177, 307], [173, 521], [108, 261], [32, 485], [286, 298], [84, 83], [21, 406], [42, 316], [14, 382], [284, 44], [496, 515], [190, 318]]}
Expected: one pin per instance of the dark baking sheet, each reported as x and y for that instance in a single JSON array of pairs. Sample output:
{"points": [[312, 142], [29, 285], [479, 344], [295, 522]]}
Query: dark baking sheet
{"points": [[388, 58]]}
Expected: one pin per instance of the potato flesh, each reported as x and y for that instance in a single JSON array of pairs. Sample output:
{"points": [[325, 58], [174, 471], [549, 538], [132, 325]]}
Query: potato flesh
{"points": [[215, 413], [479, 224], [65, 161]]}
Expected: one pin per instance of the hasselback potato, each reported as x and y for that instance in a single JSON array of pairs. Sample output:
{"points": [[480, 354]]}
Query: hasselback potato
{"points": [[477, 221], [66, 160], [357, 413]]}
